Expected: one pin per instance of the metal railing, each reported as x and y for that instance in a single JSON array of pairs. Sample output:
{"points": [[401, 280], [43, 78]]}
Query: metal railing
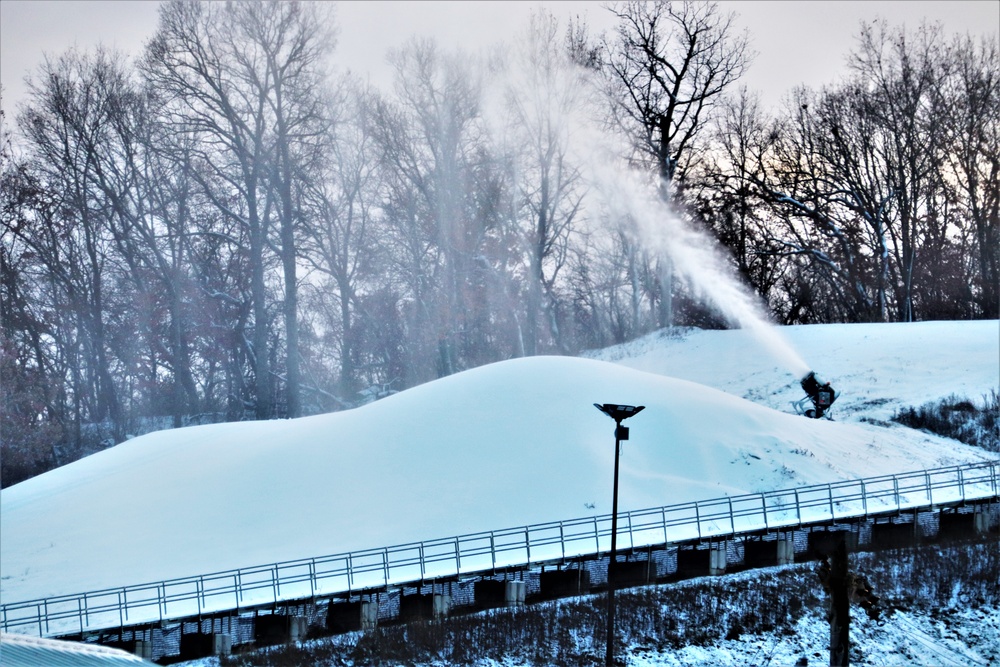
{"points": [[717, 519]]}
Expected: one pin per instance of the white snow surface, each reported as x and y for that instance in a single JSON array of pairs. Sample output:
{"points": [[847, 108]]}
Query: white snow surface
{"points": [[512, 443]]}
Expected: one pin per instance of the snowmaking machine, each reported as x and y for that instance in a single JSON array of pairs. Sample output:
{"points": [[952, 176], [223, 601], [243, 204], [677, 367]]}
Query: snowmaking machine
{"points": [[820, 394]]}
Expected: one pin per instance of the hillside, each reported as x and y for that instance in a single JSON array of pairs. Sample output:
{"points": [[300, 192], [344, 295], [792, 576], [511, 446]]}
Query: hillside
{"points": [[507, 444]]}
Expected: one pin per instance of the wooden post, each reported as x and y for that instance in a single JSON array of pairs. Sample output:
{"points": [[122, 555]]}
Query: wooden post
{"points": [[840, 607]]}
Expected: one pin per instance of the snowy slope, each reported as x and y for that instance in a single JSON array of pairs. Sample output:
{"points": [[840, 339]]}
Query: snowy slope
{"points": [[877, 368], [508, 444]]}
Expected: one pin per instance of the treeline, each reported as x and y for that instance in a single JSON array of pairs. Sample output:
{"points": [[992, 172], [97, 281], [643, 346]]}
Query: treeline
{"points": [[226, 228]]}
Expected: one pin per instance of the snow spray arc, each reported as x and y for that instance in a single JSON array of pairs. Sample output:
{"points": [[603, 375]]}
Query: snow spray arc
{"points": [[696, 259], [557, 104]]}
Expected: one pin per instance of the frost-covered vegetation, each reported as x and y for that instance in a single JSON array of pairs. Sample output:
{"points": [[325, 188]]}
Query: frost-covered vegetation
{"points": [[958, 418], [943, 596]]}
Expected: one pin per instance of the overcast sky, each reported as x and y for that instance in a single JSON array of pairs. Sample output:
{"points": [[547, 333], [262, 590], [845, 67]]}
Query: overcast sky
{"points": [[797, 41]]}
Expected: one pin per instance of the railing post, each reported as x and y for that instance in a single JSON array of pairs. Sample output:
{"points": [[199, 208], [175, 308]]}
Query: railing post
{"points": [[961, 484], [350, 572], [312, 577], [597, 538], [125, 601], [121, 621], [43, 616], [631, 537], [697, 519], [829, 490], [458, 558], [198, 588], [86, 610], [239, 583], [236, 592], [527, 543], [422, 566], [562, 540], [798, 508], [927, 482], [895, 492], [763, 509], [864, 499], [493, 551], [385, 565], [274, 583], [79, 613], [663, 513]]}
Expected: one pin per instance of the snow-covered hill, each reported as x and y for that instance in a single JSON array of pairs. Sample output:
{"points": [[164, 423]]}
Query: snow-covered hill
{"points": [[507, 444]]}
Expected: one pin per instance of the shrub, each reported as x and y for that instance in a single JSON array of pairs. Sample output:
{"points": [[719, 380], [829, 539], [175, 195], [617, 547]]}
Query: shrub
{"points": [[958, 418]]}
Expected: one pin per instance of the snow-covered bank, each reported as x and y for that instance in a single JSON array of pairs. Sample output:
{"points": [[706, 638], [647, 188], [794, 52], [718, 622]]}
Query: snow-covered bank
{"points": [[877, 368], [509, 444]]}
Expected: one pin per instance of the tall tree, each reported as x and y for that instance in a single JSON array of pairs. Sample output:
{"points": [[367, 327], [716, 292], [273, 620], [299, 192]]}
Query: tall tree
{"points": [[295, 40], [341, 243], [77, 104], [430, 138], [545, 92], [971, 156], [247, 80], [669, 64]]}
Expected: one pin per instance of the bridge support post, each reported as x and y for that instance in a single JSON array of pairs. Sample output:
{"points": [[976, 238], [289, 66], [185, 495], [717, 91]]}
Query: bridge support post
{"points": [[982, 521], [717, 560], [441, 605], [144, 649], [515, 593], [786, 550]]}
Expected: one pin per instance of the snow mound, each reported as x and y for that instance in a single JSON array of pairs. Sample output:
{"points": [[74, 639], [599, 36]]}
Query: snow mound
{"points": [[509, 444]]}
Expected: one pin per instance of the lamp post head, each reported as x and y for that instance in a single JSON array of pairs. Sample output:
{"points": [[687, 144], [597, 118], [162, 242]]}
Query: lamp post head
{"points": [[619, 412]]}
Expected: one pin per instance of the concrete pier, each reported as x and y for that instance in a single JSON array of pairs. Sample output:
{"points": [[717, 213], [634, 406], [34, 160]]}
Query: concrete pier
{"points": [[717, 560], [515, 593], [786, 550]]}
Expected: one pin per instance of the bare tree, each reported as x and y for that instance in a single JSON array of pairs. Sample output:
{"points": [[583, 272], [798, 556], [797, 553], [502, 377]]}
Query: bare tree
{"points": [[971, 155], [246, 78], [898, 98], [77, 104], [546, 91], [341, 243], [294, 43], [429, 139], [669, 64]]}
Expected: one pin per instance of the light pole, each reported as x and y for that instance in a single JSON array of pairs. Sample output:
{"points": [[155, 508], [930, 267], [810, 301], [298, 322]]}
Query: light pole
{"points": [[619, 413]]}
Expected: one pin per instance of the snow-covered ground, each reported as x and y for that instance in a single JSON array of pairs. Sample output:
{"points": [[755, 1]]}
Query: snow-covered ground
{"points": [[509, 444]]}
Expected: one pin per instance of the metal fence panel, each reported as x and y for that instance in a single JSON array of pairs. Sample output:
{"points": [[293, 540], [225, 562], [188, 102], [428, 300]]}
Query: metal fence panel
{"points": [[717, 518]]}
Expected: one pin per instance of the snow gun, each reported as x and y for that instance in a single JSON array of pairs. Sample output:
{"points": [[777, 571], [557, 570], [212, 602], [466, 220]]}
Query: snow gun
{"points": [[820, 394]]}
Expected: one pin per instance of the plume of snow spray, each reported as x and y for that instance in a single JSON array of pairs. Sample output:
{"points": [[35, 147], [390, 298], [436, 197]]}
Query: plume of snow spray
{"points": [[560, 97], [697, 259]]}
